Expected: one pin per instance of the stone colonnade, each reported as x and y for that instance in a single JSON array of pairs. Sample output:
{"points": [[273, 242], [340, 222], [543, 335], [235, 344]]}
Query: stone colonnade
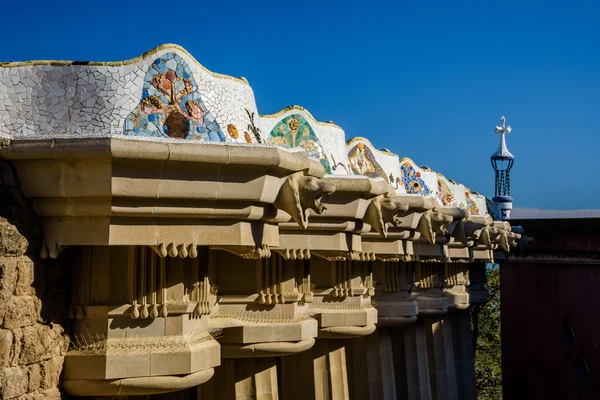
{"points": [[245, 273]]}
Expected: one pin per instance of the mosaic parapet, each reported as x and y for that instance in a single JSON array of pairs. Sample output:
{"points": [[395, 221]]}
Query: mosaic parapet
{"points": [[167, 94], [165, 87], [294, 127], [364, 159], [417, 180]]}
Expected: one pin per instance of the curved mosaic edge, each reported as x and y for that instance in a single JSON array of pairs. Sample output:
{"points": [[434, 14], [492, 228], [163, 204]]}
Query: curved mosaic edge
{"points": [[147, 54], [383, 150], [299, 108]]}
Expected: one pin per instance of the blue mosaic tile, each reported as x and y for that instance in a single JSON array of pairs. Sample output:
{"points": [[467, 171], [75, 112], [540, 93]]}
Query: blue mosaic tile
{"points": [[412, 180], [171, 105]]}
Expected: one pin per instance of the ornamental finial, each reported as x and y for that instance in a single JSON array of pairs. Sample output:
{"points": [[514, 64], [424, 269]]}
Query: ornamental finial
{"points": [[502, 128]]}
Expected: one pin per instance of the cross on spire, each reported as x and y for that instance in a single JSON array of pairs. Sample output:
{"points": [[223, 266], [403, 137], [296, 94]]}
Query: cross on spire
{"points": [[503, 128]]}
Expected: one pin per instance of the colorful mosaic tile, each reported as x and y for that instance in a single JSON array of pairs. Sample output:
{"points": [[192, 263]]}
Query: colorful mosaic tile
{"points": [[412, 180], [362, 162], [471, 204], [171, 105], [295, 131], [445, 194]]}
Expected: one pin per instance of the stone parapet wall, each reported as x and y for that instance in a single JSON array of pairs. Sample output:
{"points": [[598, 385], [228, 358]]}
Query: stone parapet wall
{"points": [[33, 342]]}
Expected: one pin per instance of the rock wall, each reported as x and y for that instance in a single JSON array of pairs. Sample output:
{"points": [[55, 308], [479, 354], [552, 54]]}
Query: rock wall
{"points": [[33, 298]]}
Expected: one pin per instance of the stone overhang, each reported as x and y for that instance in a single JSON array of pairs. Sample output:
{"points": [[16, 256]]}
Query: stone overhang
{"points": [[172, 196]]}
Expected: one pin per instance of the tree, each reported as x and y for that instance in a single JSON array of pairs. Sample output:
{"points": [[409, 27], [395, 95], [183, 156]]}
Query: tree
{"points": [[486, 340]]}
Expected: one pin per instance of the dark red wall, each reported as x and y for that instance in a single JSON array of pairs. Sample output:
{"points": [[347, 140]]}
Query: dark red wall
{"points": [[553, 283]]}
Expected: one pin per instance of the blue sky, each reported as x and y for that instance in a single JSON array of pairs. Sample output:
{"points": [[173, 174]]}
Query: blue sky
{"points": [[426, 79]]}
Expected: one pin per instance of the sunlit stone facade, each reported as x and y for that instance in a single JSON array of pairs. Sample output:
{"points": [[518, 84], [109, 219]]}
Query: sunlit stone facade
{"points": [[245, 255]]}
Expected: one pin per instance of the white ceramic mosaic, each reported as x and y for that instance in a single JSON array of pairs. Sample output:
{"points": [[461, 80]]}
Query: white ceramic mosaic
{"points": [[168, 95]]}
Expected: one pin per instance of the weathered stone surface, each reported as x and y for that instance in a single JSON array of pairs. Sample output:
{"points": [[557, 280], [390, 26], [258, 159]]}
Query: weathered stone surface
{"points": [[8, 276], [21, 311], [25, 277], [6, 341], [14, 382], [32, 299], [42, 342], [51, 370], [12, 243], [47, 394], [34, 374]]}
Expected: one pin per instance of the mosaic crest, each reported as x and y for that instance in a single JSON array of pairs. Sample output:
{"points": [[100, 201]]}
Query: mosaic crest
{"points": [[445, 193], [412, 181], [362, 162], [171, 105], [471, 205], [295, 131]]}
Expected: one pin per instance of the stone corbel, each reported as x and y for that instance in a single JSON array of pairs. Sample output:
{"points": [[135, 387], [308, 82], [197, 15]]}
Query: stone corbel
{"points": [[425, 226], [503, 242], [383, 211], [484, 236], [440, 223], [475, 225], [460, 233], [433, 223], [301, 193], [513, 238]]}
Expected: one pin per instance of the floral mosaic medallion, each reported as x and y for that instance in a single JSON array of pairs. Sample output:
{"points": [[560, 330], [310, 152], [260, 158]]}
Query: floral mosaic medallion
{"points": [[471, 205], [412, 180], [362, 162], [171, 105], [294, 131], [446, 194]]}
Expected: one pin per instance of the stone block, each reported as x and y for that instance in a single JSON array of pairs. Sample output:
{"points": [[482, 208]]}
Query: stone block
{"points": [[25, 277], [42, 342], [14, 382], [21, 311], [8, 277], [51, 370], [17, 346], [34, 375], [12, 243], [6, 339]]}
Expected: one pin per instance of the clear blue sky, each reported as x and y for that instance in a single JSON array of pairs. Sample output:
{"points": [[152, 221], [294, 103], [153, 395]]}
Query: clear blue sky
{"points": [[426, 79]]}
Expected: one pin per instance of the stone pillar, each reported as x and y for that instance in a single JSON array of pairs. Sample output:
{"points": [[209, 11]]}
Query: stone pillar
{"points": [[441, 358], [325, 369], [411, 362], [368, 377], [242, 378], [463, 354], [140, 321]]}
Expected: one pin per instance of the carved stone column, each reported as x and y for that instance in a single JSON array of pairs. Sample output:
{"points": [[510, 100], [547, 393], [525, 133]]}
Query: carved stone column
{"points": [[249, 378], [393, 294], [411, 362], [342, 298], [478, 293], [320, 373], [456, 276], [140, 324], [442, 371], [262, 313], [463, 354], [428, 284]]}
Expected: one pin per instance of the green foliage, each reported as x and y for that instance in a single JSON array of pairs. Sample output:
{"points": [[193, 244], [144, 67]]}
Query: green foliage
{"points": [[486, 339]]}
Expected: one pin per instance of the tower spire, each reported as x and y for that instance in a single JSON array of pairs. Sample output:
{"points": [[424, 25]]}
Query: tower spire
{"points": [[502, 162]]}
